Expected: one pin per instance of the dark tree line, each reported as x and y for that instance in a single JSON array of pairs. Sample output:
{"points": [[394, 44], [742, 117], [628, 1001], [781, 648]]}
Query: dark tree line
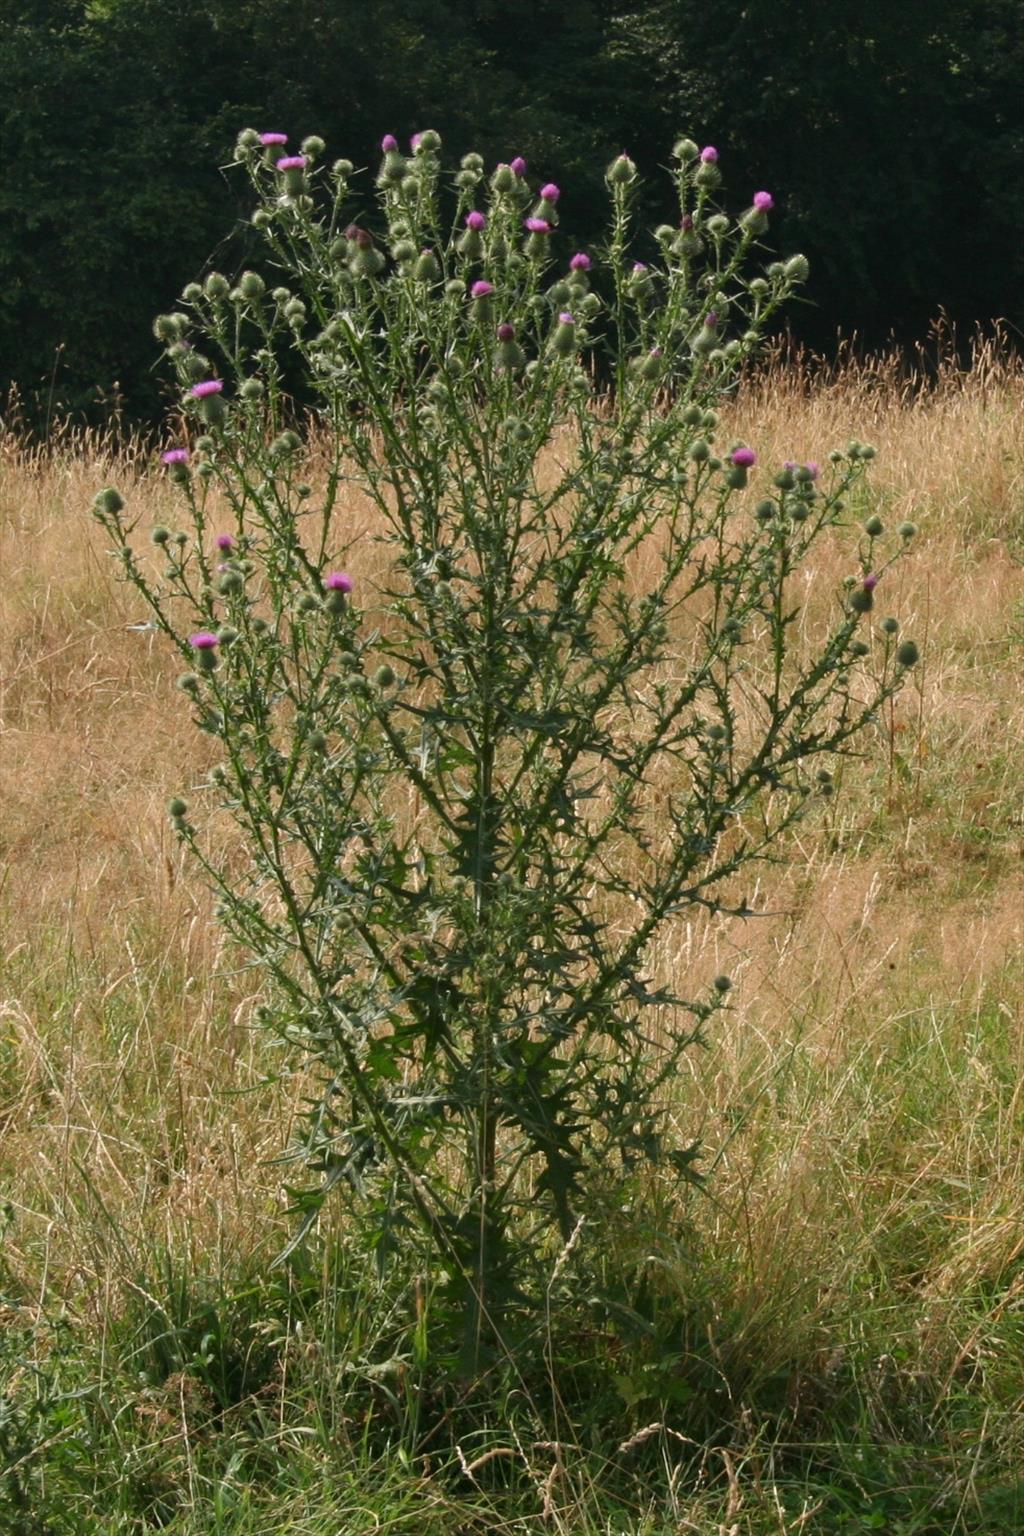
{"points": [[890, 134]]}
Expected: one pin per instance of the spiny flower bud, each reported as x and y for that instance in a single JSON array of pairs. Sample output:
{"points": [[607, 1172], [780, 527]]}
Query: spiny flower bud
{"points": [[723, 984], [651, 367], [862, 598], [504, 179], [108, 500], [252, 389], [176, 808], [908, 654], [797, 269], [538, 231], [685, 150], [211, 407], [293, 172], [621, 171], [176, 460], [874, 527], [891, 626], [216, 287], [508, 355], [384, 676], [205, 646], [338, 585], [563, 341], [470, 244], [907, 530], [169, 327], [427, 268], [708, 175], [286, 442], [160, 535], [755, 220], [251, 285], [312, 147], [706, 339], [366, 260]]}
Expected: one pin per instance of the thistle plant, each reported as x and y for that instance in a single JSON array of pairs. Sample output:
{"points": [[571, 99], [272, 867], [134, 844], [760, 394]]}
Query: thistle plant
{"points": [[470, 800]]}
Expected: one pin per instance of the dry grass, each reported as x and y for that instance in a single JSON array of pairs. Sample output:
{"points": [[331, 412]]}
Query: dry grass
{"points": [[861, 1101]]}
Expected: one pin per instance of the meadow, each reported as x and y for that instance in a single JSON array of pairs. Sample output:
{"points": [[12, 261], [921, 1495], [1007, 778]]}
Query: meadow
{"points": [[837, 1343]]}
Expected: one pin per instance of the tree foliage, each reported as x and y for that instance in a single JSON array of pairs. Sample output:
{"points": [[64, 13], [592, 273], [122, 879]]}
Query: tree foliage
{"points": [[890, 136]]}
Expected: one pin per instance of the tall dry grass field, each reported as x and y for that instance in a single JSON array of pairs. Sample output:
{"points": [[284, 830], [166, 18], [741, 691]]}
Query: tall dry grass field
{"points": [[861, 1105]]}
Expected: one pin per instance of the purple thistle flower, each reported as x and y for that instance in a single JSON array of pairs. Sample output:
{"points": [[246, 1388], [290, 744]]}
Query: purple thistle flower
{"points": [[743, 458], [175, 456], [686, 222], [709, 154], [338, 581], [203, 641], [813, 469], [711, 319], [763, 201], [481, 289], [273, 138], [565, 318], [475, 220], [639, 266], [654, 352], [225, 541], [870, 582], [580, 262], [415, 142], [207, 387], [506, 332], [389, 143], [292, 163], [537, 226], [518, 165], [550, 193]]}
